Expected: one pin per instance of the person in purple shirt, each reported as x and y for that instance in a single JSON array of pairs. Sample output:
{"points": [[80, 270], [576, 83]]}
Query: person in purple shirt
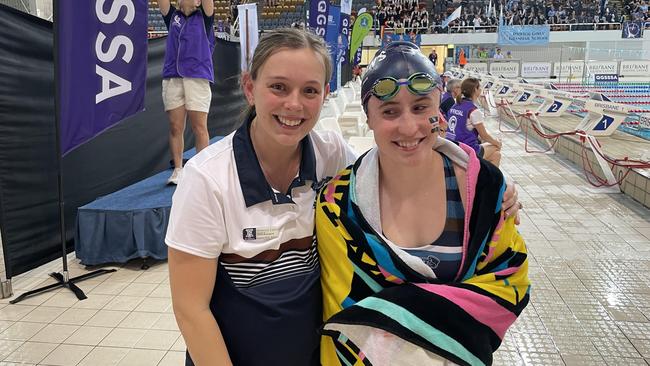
{"points": [[187, 73], [465, 123]]}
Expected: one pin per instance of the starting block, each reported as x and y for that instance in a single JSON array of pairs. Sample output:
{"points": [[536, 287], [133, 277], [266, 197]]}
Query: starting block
{"points": [[556, 102], [603, 117], [524, 94]]}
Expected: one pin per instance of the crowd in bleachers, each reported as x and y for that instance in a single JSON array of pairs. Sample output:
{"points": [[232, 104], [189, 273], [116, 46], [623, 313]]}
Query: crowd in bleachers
{"points": [[534, 12], [637, 10], [412, 16], [409, 15], [404, 14]]}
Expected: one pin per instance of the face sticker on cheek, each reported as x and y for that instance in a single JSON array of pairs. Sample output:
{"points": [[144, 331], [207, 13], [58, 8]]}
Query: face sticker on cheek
{"points": [[435, 124]]}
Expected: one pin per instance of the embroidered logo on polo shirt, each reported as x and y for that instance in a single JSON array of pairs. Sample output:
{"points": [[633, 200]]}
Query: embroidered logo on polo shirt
{"points": [[255, 233]]}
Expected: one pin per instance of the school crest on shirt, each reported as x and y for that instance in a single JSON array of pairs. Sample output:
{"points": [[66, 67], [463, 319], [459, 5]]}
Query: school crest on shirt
{"points": [[250, 233], [260, 233]]}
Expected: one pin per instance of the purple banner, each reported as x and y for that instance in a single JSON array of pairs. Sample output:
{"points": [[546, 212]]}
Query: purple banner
{"points": [[318, 12], [102, 66]]}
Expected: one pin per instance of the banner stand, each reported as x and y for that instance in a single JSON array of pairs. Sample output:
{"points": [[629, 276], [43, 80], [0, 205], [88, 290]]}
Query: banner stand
{"points": [[62, 279]]}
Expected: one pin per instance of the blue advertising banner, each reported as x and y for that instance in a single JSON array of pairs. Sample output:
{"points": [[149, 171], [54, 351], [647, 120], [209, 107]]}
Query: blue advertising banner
{"points": [[102, 66], [332, 38], [606, 78], [346, 27], [318, 11], [523, 35]]}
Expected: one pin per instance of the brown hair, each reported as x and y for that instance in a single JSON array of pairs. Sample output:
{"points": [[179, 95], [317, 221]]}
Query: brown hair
{"points": [[287, 38], [467, 89]]}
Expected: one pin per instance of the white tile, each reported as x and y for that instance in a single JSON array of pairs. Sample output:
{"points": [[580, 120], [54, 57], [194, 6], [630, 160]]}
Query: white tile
{"points": [[21, 331], [122, 337], [161, 290], [124, 275], [43, 314], [107, 318], [155, 305], [4, 324], [140, 320], [152, 277], [88, 336], [54, 333], [66, 355], [15, 312], [173, 358], [142, 357], [31, 352], [109, 288], [138, 289], [179, 345], [104, 356], [158, 339], [64, 299], [166, 322], [125, 303], [94, 301], [7, 347], [75, 316]]}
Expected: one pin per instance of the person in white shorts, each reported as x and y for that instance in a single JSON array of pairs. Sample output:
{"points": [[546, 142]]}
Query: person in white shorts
{"points": [[187, 73]]}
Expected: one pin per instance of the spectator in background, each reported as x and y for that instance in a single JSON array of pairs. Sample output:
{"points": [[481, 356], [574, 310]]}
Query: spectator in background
{"points": [[433, 57], [462, 60], [449, 97], [498, 55], [446, 76], [187, 73]]}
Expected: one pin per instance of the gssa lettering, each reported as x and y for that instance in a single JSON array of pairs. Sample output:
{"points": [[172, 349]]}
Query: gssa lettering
{"points": [[117, 42]]}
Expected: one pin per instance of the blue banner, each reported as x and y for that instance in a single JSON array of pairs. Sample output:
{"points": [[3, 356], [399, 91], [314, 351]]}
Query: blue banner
{"points": [[102, 66], [318, 11], [332, 37], [523, 35], [357, 56], [633, 29], [606, 78], [346, 27]]}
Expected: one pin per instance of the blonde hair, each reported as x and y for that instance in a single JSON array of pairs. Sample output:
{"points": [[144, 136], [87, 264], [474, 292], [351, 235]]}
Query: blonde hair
{"points": [[287, 38]]}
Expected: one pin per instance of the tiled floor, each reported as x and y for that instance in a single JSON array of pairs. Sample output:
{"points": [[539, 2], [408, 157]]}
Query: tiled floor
{"points": [[589, 265]]}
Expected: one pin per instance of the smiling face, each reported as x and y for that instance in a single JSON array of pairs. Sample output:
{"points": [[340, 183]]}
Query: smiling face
{"points": [[402, 128], [288, 94]]}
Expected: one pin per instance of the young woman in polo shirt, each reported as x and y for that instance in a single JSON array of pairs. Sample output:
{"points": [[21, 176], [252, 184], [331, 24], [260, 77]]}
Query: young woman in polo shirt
{"points": [[244, 275]]}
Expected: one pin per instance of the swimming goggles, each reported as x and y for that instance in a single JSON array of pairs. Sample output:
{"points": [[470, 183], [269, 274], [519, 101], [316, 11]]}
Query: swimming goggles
{"points": [[387, 87]]}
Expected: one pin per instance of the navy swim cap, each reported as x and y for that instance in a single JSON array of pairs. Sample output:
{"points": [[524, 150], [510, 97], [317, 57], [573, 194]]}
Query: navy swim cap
{"points": [[400, 60]]}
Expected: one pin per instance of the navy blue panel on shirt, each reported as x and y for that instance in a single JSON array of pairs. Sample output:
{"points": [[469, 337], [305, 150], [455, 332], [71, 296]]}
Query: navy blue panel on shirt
{"points": [[273, 323]]}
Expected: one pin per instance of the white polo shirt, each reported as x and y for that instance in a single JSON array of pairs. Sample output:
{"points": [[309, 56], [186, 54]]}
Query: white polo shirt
{"points": [[268, 272], [223, 204]]}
